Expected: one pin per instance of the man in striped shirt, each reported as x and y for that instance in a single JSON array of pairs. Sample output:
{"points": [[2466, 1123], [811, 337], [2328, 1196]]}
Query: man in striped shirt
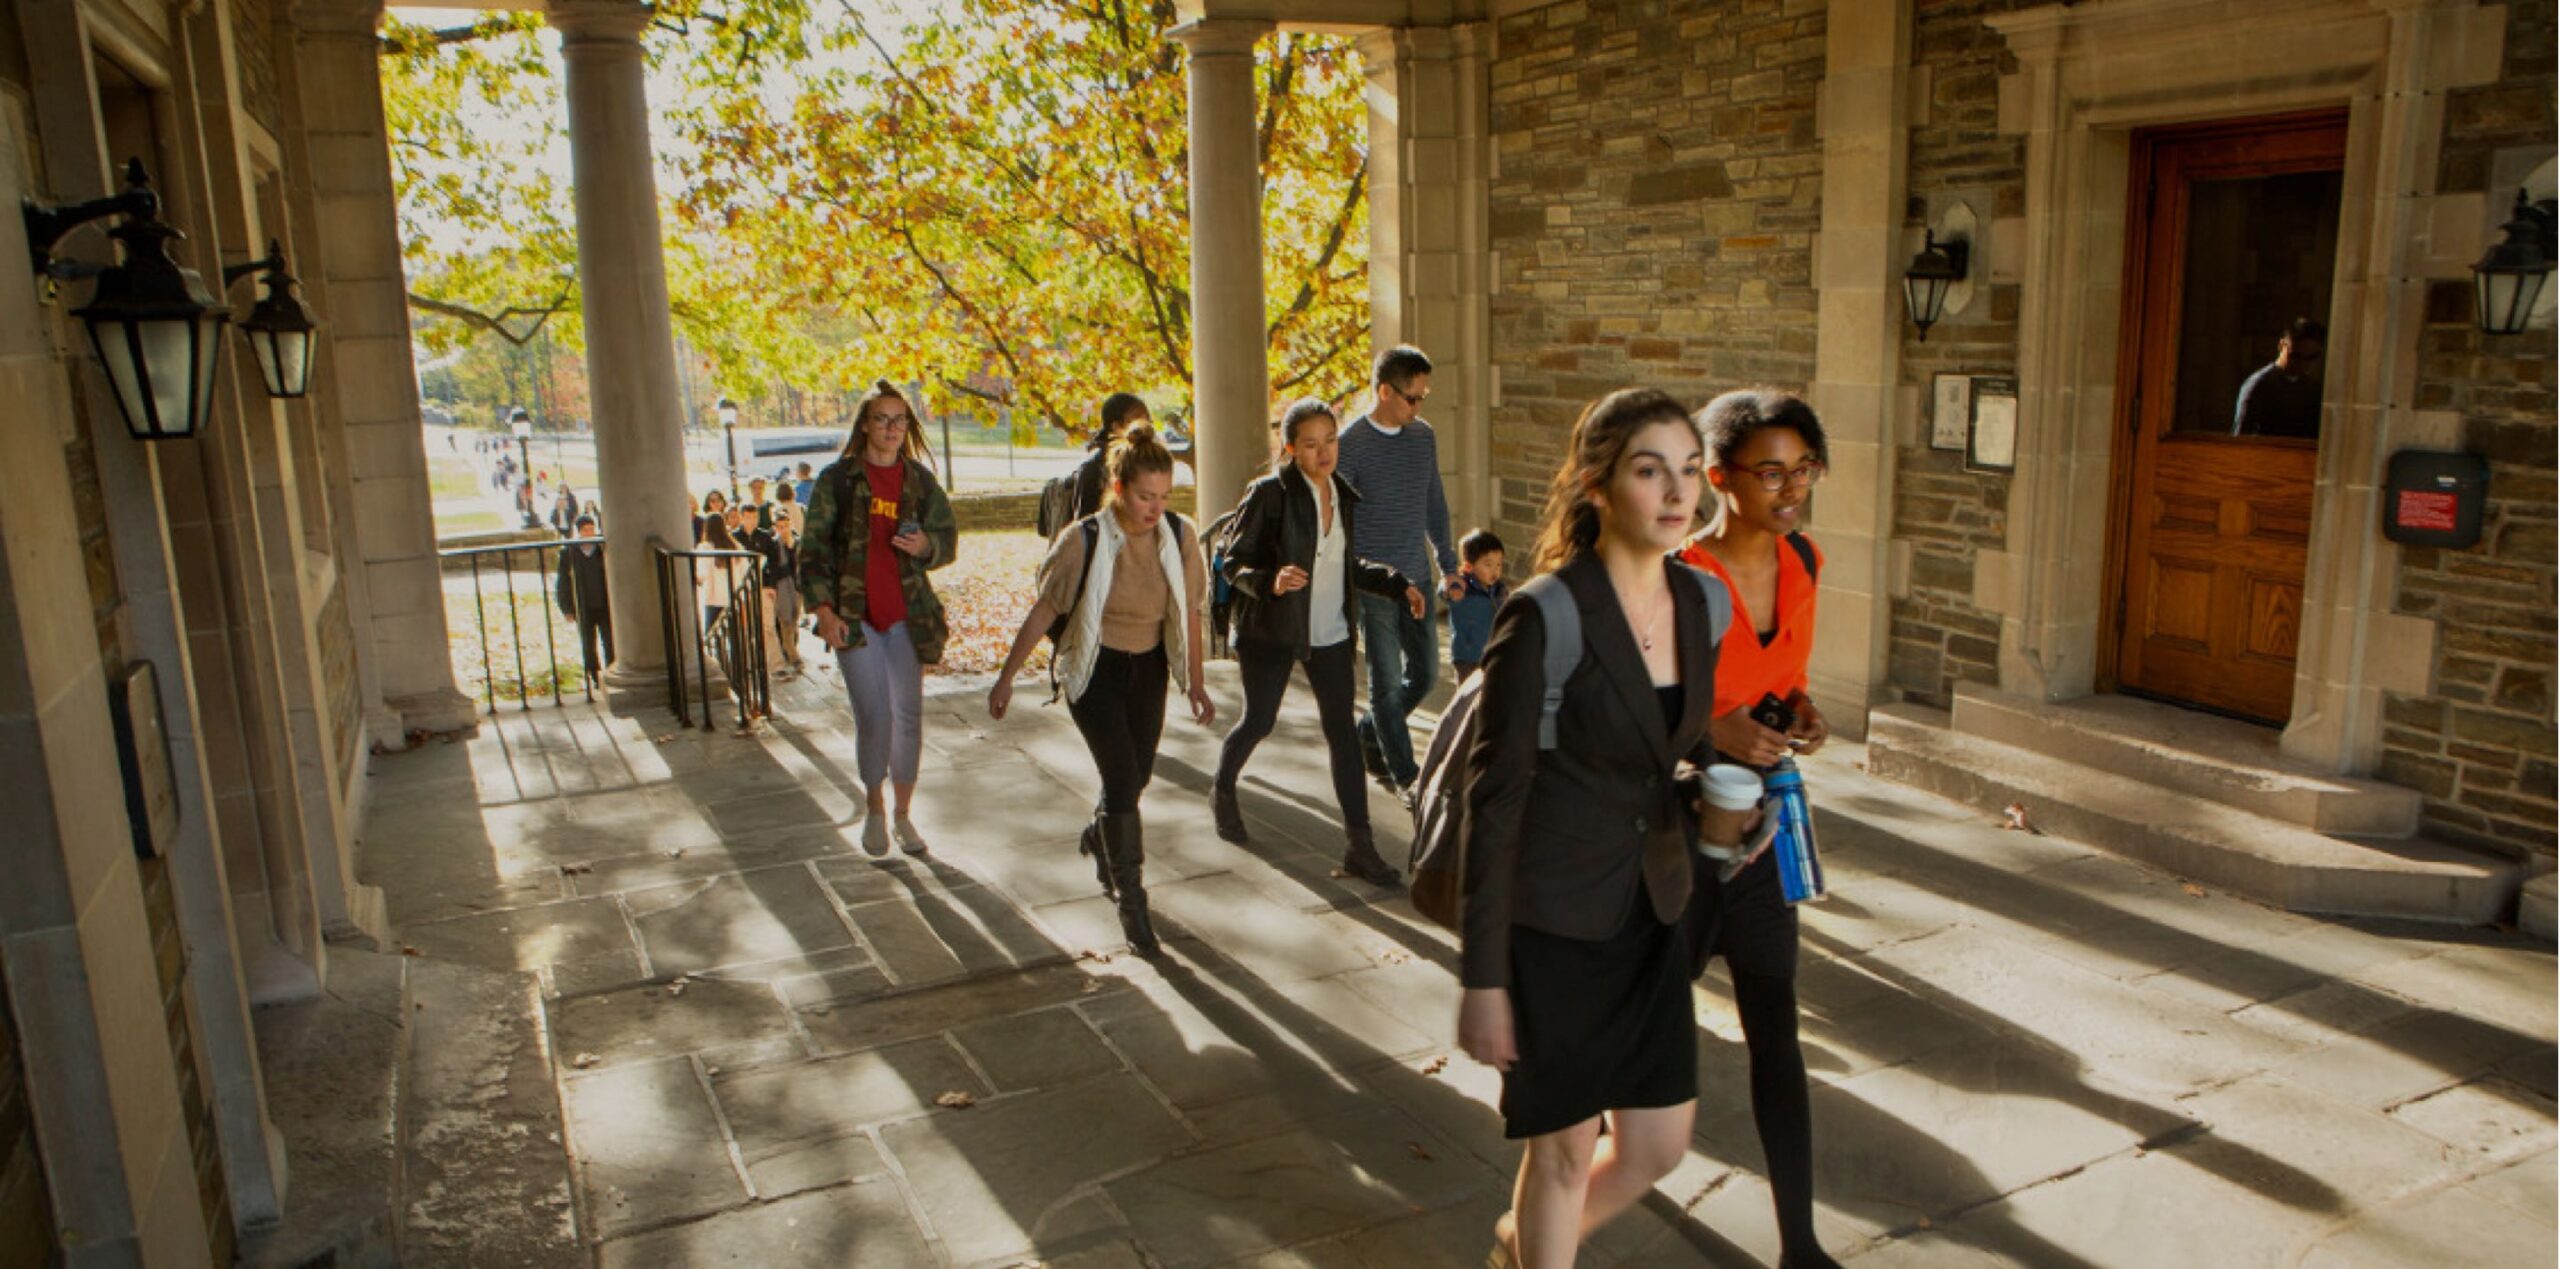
{"points": [[1391, 458]]}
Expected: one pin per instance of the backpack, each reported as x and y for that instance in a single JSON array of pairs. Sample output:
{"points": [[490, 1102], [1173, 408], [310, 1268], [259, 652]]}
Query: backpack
{"points": [[1058, 500], [1438, 863]]}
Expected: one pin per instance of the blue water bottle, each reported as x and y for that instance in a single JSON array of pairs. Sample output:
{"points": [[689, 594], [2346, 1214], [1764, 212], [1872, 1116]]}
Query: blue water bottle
{"points": [[1791, 847]]}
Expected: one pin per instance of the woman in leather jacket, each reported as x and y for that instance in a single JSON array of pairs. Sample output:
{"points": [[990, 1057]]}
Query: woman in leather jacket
{"points": [[1288, 556]]}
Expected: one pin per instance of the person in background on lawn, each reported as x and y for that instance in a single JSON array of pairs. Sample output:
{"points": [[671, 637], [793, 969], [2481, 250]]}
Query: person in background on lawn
{"points": [[581, 595], [1128, 581], [1392, 460], [1765, 453], [1578, 856], [1297, 584], [878, 523], [1471, 613], [807, 483]]}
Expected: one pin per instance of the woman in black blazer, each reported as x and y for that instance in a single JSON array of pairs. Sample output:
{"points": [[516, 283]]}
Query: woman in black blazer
{"points": [[1289, 547], [1578, 857]]}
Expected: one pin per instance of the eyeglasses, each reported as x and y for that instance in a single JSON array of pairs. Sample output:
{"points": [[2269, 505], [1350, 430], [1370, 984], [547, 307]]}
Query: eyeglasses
{"points": [[893, 420], [1777, 479], [1415, 398]]}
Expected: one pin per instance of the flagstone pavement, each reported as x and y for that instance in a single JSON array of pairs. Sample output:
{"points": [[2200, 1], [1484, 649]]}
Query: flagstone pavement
{"points": [[769, 1049]]}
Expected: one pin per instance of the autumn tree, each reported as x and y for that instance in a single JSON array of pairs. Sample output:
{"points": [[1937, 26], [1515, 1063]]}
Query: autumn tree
{"points": [[992, 199]]}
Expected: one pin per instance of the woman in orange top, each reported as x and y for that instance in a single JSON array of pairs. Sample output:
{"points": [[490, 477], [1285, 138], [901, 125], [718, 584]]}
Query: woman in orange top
{"points": [[1765, 453]]}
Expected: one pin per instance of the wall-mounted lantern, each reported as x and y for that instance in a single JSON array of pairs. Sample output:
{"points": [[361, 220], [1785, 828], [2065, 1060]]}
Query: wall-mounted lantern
{"points": [[1938, 268], [280, 327], [156, 329], [2511, 275]]}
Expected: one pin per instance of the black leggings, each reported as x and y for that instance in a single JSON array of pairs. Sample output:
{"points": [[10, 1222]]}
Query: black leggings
{"points": [[1121, 716], [1265, 668], [1748, 923]]}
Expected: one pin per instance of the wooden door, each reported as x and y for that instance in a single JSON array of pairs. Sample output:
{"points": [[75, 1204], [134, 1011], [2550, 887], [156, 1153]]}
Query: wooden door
{"points": [[2233, 237]]}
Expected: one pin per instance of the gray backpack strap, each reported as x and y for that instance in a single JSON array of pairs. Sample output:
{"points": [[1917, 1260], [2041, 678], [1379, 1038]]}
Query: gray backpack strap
{"points": [[1719, 602], [1563, 618]]}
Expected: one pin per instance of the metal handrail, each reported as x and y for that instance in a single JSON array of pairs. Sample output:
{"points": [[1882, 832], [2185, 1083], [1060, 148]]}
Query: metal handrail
{"points": [[480, 597], [736, 635]]}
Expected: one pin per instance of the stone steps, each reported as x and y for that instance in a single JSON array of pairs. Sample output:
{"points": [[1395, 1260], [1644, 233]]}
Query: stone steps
{"points": [[2191, 754], [2190, 833], [419, 1102], [2534, 908]]}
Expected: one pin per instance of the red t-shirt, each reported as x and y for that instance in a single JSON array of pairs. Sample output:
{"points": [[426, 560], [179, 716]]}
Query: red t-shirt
{"points": [[884, 597], [1746, 669]]}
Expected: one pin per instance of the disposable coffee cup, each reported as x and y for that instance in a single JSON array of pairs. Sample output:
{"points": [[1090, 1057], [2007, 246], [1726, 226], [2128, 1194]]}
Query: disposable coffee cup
{"points": [[1731, 794]]}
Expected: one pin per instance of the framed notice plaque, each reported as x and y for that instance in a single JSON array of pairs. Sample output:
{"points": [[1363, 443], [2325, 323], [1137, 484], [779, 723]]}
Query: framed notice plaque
{"points": [[1950, 411], [1991, 438], [142, 748]]}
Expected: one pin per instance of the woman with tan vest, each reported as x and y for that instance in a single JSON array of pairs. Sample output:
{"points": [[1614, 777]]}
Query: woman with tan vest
{"points": [[1121, 590]]}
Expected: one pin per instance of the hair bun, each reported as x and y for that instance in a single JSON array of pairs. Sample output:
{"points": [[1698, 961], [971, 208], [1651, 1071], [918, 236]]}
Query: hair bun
{"points": [[1138, 432], [883, 385]]}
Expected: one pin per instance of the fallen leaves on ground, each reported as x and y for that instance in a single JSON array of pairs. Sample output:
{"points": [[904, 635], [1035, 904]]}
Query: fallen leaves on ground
{"points": [[584, 1060], [1418, 1152], [1435, 1066], [956, 1100], [2193, 890], [2014, 819], [985, 595]]}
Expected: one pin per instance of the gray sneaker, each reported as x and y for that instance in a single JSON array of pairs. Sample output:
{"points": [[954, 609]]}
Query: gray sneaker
{"points": [[875, 835], [909, 840]]}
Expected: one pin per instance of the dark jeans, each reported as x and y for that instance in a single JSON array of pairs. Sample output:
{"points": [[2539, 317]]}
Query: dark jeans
{"points": [[1265, 669], [1121, 716], [1404, 654], [590, 629]]}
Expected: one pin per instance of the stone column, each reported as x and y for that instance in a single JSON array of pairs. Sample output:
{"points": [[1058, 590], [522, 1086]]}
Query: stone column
{"points": [[631, 357], [1857, 363], [1230, 357], [339, 60], [1430, 252]]}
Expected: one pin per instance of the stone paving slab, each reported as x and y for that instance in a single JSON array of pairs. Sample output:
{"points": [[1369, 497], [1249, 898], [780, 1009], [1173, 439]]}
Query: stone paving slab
{"points": [[648, 1146], [2024, 1052], [860, 1224], [737, 918], [991, 1180]]}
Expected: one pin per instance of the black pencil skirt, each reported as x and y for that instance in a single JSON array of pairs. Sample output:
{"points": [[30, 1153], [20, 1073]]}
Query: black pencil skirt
{"points": [[1600, 1024]]}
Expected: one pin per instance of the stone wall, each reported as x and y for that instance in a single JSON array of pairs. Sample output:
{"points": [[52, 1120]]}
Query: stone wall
{"points": [[253, 39], [1655, 192], [337, 652], [1947, 514], [2479, 746]]}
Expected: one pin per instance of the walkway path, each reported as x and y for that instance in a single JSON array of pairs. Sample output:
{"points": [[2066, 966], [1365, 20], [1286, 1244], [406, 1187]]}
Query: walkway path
{"points": [[774, 1051]]}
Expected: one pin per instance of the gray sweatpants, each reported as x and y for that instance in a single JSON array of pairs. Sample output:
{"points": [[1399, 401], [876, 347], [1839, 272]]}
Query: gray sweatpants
{"points": [[886, 684]]}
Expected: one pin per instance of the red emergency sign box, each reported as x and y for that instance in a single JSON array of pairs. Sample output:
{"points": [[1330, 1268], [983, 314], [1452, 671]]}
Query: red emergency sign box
{"points": [[2435, 499]]}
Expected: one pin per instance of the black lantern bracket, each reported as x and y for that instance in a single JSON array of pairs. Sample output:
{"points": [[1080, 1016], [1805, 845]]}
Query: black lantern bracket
{"points": [[2510, 277], [47, 226]]}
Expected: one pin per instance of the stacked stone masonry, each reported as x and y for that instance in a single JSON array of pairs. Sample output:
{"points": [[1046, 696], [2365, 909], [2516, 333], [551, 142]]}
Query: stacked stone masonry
{"points": [[1947, 514], [2480, 745], [1655, 195]]}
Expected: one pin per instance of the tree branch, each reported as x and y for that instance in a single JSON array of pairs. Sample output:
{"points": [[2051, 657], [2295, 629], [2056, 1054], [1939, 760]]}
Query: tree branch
{"points": [[495, 323]]}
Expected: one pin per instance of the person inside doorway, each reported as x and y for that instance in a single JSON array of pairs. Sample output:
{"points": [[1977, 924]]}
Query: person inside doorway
{"points": [[2283, 397]]}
